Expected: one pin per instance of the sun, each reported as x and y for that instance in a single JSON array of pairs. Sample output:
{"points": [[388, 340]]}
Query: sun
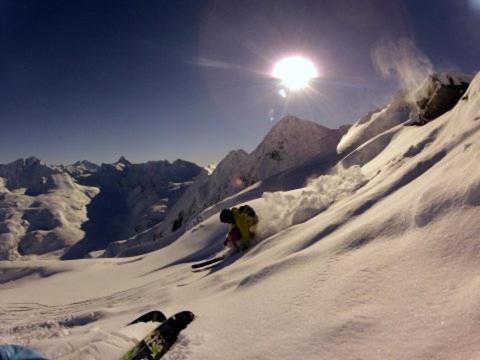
{"points": [[295, 72]]}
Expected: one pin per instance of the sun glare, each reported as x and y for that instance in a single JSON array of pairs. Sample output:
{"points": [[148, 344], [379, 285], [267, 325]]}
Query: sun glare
{"points": [[295, 72]]}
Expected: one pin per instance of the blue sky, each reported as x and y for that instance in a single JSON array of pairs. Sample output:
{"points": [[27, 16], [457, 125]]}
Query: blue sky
{"points": [[189, 79]]}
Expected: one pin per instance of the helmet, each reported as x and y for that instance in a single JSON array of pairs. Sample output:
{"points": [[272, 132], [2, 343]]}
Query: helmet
{"points": [[226, 216]]}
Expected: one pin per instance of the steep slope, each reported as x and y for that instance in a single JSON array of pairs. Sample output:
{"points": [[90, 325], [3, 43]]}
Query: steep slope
{"points": [[437, 94], [292, 142]]}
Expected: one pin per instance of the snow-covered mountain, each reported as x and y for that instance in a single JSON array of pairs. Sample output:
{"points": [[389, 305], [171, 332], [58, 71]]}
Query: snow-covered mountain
{"points": [[83, 207], [41, 209], [136, 204], [79, 168], [292, 142], [132, 198], [374, 261], [30, 174]]}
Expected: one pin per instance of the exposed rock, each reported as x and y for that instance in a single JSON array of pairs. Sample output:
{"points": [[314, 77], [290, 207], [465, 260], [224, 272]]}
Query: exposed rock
{"points": [[438, 94]]}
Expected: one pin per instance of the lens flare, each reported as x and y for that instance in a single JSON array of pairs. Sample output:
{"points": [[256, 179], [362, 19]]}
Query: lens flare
{"points": [[475, 5], [295, 72]]}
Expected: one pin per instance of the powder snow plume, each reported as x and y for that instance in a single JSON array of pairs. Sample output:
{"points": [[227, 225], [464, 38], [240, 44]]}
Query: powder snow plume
{"points": [[403, 61], [286, 208]]}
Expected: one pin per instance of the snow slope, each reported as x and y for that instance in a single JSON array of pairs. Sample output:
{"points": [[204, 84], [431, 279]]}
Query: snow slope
{"points": [[291, 143], [437, 94], [385, 268]]}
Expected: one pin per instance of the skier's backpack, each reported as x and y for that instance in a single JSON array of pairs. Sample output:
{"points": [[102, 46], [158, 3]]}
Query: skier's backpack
{"points": [[246, 209]]}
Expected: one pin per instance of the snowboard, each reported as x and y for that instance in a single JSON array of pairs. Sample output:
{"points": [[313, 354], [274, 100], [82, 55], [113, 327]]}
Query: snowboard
{"points": [[159, 340], [154, 315]]}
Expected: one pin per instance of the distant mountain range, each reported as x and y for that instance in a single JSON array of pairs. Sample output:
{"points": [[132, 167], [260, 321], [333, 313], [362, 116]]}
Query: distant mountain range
{"points": [[71, 210]]}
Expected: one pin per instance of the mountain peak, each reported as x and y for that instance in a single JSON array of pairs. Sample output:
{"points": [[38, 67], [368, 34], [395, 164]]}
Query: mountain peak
{"points": [[32, 160], [292, 126], [23, 163], [84, 163], [123, 160], [286, 122], [295, 131], [291, 121]]}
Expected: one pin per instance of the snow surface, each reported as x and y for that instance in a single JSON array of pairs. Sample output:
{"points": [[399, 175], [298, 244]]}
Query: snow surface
{"points": [[385, 269]]}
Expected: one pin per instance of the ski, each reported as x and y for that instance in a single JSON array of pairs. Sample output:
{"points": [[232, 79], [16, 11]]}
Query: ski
{"points": [[208, 267], [161, 339], [154, 315], [223, 255], [219, 261], [208, 262]]}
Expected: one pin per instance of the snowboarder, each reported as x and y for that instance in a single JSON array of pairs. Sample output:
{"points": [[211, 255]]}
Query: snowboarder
{"points": [[243, 221]]}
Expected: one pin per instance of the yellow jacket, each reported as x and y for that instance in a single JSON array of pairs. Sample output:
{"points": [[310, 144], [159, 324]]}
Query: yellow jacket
{"points": [[244, 222]]}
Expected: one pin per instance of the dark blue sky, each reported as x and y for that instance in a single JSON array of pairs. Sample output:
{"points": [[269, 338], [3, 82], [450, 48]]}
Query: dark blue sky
{"points": [[170, 79]]}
